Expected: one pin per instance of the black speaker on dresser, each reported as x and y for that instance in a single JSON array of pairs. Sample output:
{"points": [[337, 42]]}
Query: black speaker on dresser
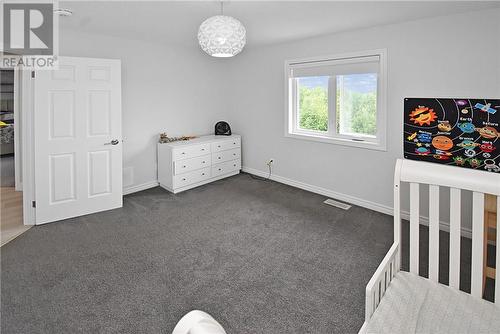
{"points": [[222, 129]]}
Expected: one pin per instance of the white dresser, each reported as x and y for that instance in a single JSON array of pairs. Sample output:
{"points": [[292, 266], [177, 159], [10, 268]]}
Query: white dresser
{"points": [[184, 165]]}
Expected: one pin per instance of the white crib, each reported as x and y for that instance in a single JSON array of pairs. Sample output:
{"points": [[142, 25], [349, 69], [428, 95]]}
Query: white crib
{"points": [[404, 302]]}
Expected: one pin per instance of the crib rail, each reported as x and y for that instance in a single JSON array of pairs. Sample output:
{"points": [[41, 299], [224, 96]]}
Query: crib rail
{"points": [[436, 176], [457, 179], [378, 284], [448, 176]]}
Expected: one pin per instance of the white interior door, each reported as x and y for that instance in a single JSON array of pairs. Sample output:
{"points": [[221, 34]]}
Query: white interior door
{"points": [[78, 146]]}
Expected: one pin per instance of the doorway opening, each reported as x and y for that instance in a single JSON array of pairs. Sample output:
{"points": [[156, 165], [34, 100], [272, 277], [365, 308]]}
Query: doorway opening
{"points": [[11, 195]]}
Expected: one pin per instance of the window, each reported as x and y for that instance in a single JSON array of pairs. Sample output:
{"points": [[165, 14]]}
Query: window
{"points": [[338, 99]]}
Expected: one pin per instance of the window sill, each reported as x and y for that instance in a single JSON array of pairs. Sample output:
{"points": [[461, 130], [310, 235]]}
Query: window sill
{"points": [[377, 146]]}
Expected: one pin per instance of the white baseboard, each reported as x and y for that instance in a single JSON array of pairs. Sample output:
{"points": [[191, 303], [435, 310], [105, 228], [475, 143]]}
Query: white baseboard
{"points": [[445, 226], [322, 191], [140, 187]]}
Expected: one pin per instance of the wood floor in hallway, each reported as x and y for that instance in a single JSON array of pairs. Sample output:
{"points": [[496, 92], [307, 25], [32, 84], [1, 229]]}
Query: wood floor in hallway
{"points": [[11, 214]]}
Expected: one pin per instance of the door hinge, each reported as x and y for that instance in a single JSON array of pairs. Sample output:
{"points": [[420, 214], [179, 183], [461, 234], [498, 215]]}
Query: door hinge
{"points": [[32, 74], [33, 204]]}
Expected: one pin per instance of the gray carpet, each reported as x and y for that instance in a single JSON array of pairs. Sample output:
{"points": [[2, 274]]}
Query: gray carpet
{"points": [[261, 257]]}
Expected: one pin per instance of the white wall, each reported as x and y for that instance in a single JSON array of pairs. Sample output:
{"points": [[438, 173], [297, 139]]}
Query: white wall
{"points": [[454, 56], [180, 90], [165, 87]]}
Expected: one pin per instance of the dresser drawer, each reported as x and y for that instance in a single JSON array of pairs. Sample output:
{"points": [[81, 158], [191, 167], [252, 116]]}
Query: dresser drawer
{"points": [[187, 165], [224, 156], [190, 151], [226, 167], [186, 179], [226, 144]]}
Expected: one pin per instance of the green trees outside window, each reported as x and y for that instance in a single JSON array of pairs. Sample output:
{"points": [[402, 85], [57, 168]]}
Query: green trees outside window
{"points": [[356, 104], [313, 108]]}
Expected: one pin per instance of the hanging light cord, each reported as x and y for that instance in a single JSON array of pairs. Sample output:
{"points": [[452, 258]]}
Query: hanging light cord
{"points": [[222, 8]]}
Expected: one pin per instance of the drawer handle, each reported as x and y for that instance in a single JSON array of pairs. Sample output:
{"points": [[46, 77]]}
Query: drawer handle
{"points": [[218, 158], [183, 166], [234, 153], [234, 143], [234, 165], [183, 153], [203, 162], [202, 173], [220, 169], [203, 149], [183, 179], [218, 145]]}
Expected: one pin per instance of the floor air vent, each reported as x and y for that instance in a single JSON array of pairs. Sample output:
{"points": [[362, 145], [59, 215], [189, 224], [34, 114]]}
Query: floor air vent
{"points": [[337, 204]]}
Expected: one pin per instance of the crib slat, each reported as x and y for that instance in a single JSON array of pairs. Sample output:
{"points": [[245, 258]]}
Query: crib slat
{"points": [[434, 232], [414, 226], [477, 244], [497, 273], [397, 216], [455, 226], [383, 285]]}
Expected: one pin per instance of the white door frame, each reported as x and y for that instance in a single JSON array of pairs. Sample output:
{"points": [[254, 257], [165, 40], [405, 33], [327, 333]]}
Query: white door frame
{"points": [[17, 130], [28, 161]]}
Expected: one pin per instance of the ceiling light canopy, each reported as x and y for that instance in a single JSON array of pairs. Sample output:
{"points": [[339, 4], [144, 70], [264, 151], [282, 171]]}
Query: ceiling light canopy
{"points": [[63, 12], [222, 36]]}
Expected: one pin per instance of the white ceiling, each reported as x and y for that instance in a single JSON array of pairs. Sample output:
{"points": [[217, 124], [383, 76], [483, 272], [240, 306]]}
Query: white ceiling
{"points": [[266, 21]]}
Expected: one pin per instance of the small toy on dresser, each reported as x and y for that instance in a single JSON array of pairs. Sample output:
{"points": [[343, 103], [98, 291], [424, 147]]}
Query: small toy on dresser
{"points": [[166, 139]]}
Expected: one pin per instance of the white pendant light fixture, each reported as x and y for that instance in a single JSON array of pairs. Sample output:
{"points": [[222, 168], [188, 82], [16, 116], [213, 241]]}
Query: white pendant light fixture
{"points": [[221, 35]]}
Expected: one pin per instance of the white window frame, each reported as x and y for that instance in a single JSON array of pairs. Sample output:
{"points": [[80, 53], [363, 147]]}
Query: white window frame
{"points": [[331, 136]]}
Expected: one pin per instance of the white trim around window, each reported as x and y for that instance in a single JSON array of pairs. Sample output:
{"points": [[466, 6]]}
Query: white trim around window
{"points": [[356, 62]]}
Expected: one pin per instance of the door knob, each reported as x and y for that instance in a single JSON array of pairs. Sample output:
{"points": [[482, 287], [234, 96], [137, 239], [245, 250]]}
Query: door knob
{"points": [[113, 142]]}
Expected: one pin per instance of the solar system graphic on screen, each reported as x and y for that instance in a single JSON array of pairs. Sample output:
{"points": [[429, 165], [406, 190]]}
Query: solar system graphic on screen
{"points": [[455, 132]]}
